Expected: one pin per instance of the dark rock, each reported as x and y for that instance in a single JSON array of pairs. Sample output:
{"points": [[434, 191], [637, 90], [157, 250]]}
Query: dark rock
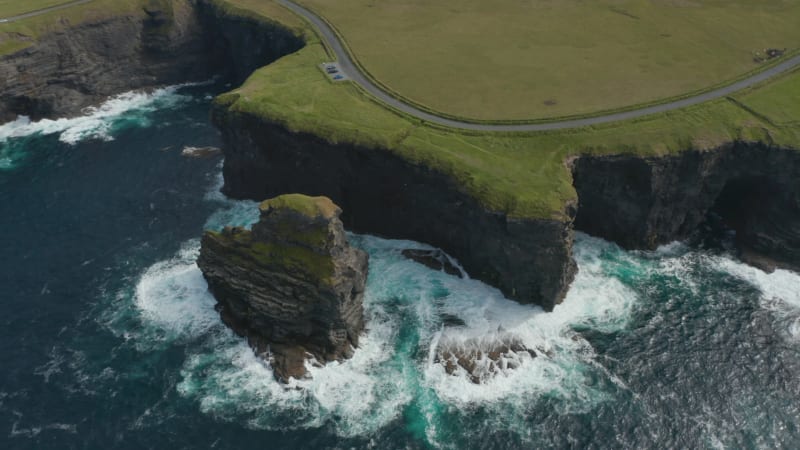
{"points": [[528, 260], [433, 259], [449, 320], [168, 43], [643, 202], [293, 285], [775, 52], [482, 358]]}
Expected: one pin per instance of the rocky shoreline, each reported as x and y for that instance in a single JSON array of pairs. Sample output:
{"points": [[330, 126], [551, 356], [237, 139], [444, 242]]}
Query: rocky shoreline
{"points": [[638, 202], [641, 203], [177, 42]]}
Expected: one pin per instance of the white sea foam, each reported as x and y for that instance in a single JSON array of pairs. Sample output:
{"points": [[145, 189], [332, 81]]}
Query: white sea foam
{"points": [[783, 285], [780, 290], [231, 212], [392, 369], [357, 396], [95, 122], [173, 296], [595, 301]]}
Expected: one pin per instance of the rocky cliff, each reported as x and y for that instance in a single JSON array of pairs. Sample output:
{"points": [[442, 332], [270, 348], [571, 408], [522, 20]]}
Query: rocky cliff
{"points": [[168, 43], [635, 201], [293, 286], [382, 194], [645, 202]]}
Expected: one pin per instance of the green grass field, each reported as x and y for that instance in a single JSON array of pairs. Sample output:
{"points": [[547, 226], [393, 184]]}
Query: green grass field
{"points": [[538, 59], [9, 8]]}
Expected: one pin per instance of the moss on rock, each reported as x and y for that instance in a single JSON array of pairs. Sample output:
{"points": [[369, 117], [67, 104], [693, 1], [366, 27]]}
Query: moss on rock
{"points": [[311, 207]]}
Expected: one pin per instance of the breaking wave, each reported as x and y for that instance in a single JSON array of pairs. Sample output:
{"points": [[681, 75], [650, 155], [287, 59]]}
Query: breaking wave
{"points": [[130, 109], [780, 290], [411, 312], [407, 306]]}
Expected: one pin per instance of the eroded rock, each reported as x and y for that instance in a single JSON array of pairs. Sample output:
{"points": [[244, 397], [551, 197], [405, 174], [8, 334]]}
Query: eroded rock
{"points": [[482, 358], [293, 285], [433, 259]]}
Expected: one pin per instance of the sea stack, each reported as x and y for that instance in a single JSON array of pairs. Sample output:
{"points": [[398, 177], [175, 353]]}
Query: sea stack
{"points": [[293, 285]]}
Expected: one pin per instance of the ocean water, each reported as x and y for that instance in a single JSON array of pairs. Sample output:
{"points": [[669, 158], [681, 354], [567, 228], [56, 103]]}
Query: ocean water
{"points": [[109, 339]]}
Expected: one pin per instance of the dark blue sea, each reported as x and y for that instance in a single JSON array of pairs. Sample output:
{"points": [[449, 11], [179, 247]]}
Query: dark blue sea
{"points": [[109, 338]]}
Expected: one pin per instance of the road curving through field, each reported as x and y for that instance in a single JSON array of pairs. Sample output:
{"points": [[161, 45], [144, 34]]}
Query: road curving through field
{"points": [[356, 75]]}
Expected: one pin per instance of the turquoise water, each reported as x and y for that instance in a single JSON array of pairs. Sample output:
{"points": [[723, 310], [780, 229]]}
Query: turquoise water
{"points": [[110, 338]]}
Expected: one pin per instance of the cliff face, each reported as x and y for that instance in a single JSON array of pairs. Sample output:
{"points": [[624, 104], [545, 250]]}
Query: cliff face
{"points": [[293, 285], [634, 201], [529, 260], [644, 202], [174, 42]]}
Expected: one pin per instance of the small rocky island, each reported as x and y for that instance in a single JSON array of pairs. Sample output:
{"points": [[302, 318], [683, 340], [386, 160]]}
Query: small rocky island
{"points": [[293, 285]]}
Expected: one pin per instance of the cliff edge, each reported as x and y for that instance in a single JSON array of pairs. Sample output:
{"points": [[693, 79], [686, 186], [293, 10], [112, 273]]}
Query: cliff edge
{"points": [[293, 285]]}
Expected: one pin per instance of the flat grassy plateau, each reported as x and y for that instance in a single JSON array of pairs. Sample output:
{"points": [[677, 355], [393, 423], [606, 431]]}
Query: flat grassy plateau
{"points": [[538, 59]]}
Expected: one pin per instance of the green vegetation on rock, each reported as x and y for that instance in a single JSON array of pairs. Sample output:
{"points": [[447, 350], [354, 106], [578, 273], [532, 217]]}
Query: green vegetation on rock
{"points": [[309, 206], [266, 10], [240, 246]]}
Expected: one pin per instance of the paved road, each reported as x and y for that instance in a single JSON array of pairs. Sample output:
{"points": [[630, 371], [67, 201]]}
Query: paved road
{"points": [[42, 11], [357, 76]]}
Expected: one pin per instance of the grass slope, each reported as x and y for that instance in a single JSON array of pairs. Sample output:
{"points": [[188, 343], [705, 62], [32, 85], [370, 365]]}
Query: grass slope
{"points": [[536, 59]]}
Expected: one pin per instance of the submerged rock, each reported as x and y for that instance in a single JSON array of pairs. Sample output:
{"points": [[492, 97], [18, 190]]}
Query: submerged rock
{"points": [[480, 359], [200, 152], [293, 285], [433, 259]]}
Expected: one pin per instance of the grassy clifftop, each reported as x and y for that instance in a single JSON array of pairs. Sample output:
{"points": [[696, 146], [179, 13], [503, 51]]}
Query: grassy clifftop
{"points": [[311, 207], [539, 59], [524, 175]]}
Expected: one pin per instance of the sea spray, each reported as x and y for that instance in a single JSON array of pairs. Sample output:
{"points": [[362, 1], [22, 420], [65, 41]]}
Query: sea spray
{"points": [[780, 290], [410, 309], [129, 109], [391, 371]]}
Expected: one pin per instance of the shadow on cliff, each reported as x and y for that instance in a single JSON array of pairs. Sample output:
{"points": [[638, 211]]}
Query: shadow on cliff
{"points": [[171, 42], [751, 189]]}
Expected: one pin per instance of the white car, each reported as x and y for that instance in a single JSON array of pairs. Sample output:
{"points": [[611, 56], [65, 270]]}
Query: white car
{"points": [[3, 20]]}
